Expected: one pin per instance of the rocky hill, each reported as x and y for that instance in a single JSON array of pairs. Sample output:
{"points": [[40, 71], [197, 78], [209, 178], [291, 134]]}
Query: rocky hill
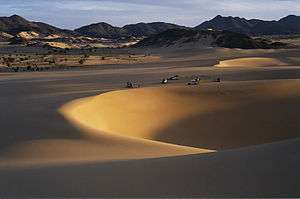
{"points": [[286, 25], [148, 29], [15, 24], [137, 30], [100, 30], [205, 38]]}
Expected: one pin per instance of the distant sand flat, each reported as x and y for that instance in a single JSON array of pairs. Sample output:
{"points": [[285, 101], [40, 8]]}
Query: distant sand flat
{"points": [[251, 62]]}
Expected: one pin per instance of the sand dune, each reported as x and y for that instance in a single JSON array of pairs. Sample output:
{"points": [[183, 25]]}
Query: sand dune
{"points": [[262, 171], [229, 139], [168, 121], [29, 35], [237, 138], [212, 116], [60, 45], [251, 62]]}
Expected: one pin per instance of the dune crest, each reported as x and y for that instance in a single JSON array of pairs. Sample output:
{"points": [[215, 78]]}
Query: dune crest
{"points": [[251, 62]]}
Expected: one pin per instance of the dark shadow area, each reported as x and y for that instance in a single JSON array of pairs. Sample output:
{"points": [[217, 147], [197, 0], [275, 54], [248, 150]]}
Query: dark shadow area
{"points": [[266, 74], [265, 171], [29, 111], [242, 126]]}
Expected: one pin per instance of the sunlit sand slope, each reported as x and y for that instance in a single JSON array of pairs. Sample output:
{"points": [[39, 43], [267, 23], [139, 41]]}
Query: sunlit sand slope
{"points": [[251, 62]]}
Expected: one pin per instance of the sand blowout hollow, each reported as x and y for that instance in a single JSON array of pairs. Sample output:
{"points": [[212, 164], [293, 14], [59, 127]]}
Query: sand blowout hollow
{"points": [[251, 62], [212, 116]]}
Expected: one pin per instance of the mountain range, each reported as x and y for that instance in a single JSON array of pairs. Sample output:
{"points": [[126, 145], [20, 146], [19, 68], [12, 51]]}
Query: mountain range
{"points": [[136, 30], [254, 27], [13, 25], [206, 38]]}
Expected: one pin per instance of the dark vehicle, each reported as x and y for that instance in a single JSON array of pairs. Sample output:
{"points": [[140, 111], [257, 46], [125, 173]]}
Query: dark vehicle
{"points": [[129, 85], [132, 85], [193, 83], [218, 80]]}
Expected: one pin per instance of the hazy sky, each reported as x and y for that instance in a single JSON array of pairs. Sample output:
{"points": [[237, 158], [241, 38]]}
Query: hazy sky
{"points": [[74, 13]]}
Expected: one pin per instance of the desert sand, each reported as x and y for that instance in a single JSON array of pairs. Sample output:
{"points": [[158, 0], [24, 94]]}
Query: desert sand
{"points": [[251, 62], [81, 134]]}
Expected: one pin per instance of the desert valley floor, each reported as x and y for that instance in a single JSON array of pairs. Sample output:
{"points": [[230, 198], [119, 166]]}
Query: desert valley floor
{"points": [[80, 133]]}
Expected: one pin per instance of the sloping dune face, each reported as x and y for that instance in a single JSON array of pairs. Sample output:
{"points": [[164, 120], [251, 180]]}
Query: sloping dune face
{"points": [[213, 116], [251, 62]]}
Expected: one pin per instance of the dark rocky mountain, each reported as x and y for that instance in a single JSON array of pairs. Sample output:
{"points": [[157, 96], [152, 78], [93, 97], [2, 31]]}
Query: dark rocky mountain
{"points": [[291, 21], [205, 38], [287, 25], [47, 29], [101, 30], [148, 29], [16, 24], [137, 30]]}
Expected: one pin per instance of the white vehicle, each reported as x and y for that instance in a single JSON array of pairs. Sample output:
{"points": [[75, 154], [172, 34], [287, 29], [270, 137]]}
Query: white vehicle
{"points": [[175, 77], [197, 79], [164, 81]]}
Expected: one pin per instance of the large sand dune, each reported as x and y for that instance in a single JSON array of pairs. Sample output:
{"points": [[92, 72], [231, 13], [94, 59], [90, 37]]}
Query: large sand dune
{"points": [[253, 127], [213, 116], [169, 121]]}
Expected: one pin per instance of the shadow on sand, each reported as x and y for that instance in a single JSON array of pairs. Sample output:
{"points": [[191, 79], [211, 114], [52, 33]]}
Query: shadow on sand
{"points": [[247, 125]]}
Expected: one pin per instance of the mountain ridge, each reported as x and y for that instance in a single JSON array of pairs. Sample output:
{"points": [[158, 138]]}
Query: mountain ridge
{"points": [[205, 38], [254, 27], [103, 29], [16, 24]]}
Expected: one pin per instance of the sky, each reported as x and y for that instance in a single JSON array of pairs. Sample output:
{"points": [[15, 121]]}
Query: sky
{"points": [[75, 13]]}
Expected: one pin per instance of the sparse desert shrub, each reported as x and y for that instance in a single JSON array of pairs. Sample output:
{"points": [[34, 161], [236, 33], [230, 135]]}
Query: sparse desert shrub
{"points": [[8, 61], [81, 61], [16, 69], [23, 58], [52, 61]]}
